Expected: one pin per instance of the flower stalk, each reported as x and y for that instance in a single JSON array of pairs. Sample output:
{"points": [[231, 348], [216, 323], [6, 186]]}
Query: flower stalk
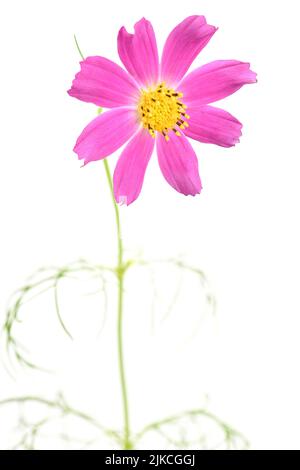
{"points": [[120, 273], [120, 270]]}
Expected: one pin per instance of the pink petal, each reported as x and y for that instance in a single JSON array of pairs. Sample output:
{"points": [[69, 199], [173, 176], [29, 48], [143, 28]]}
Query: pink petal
{"points": [[182, 47], [106, 133], [179, 164], [138, 52], [215, 81], [130, 170], [213, 126], [104, 83]]}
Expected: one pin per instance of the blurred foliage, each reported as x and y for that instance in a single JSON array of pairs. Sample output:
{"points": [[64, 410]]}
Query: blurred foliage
{"points": [[191, 429], [185, 430]]}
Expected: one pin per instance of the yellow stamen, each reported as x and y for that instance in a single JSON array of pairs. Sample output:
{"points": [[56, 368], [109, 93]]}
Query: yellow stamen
{"points": [[161, 110]]}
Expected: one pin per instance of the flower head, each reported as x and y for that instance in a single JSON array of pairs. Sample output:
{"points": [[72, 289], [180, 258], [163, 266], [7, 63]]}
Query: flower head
{"points": [[156, 102]]}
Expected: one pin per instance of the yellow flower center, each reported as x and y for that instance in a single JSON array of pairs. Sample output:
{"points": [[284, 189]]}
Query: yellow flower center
{"points": [[161, 110]]}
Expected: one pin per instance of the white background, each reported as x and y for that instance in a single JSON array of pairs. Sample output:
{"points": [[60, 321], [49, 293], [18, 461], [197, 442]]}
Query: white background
{"points": [[243, 230]]}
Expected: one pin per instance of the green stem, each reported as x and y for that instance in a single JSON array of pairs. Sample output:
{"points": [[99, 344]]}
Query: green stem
{"points": [[120, 271]]}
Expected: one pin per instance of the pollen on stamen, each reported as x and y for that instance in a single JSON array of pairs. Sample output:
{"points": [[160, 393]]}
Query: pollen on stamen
{"points": [[160, 110]]}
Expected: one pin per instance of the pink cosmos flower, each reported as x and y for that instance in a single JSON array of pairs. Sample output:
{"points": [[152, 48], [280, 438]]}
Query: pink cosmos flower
{"points": [[156, 102]]}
